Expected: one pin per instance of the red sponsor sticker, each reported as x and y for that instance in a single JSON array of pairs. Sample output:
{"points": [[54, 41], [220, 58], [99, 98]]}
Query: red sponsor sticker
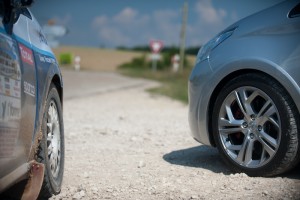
{"points": [[26, 54]]}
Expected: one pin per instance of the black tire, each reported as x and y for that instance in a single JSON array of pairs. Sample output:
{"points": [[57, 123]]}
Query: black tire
{"points": [[53, 172], [284, 133]]}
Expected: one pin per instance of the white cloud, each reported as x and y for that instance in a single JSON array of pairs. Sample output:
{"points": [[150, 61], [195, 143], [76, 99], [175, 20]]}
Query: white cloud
{"points": [[63, 20], [165, 15], [126, 16], [222, 12], [208, 13], [167, 25], [129, 27], [100, 21], [114, 36], [210, 21]]}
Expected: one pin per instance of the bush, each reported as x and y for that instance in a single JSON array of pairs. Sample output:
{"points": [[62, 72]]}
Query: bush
{"points": [[65, 58], [144, 63], [136, 63]]}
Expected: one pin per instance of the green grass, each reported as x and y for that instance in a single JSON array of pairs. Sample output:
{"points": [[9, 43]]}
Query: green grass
{"points": [[173, 85]]}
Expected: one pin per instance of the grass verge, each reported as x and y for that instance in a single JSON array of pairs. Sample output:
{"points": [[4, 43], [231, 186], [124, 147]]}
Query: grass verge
{"points": [[173, 85]]}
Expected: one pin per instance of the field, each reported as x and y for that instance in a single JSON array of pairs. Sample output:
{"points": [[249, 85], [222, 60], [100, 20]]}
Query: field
{"points": [[101, 59], [96, 58]]}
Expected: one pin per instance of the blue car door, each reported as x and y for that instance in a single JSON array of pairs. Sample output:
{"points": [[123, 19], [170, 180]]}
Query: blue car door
{"points": [[17, 93]]}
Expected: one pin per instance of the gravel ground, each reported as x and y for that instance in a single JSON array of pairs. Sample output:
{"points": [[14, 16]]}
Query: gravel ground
{"points": [[128, 144]]}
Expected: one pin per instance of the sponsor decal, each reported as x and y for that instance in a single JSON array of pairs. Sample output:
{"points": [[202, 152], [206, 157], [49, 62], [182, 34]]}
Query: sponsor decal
{"points": [[8, 141], [10, 94], [10, 109], [7, 86], [29, 89], [26, 54], [17, 88], [8, 66], [10, 116], [46, 59], [10, 87]]}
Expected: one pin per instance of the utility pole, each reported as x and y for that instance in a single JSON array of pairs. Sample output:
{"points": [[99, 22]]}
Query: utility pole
{"points": [[182, 35]]}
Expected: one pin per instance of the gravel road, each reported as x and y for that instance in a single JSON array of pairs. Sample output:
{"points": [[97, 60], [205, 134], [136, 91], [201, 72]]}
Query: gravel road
{"points": [[124, 143]]}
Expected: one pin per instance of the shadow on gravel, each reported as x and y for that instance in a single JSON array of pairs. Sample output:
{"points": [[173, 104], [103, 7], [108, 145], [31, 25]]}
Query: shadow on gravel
{"points": [[200, 157], [208, 158]]}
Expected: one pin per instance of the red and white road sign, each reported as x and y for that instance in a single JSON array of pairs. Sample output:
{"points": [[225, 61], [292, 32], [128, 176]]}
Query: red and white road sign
{"points": [[156, 46]]}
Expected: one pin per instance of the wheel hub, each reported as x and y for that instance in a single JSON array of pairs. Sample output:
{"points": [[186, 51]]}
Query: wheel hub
{"points": [[253, 126]]}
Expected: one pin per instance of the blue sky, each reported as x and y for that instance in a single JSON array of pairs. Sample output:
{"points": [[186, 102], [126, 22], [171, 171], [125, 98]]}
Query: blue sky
{"points": [[112, 23]]}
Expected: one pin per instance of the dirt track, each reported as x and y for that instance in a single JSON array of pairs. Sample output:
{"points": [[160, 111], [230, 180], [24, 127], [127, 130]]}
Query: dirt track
{"points": [[124, 143]]}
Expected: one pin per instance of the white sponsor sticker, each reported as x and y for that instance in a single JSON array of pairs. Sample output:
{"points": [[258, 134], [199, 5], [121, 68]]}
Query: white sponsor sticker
{"points": [[8, 141], [26, 54], [29, 89], [16, 88], [10, 109], [47, 59]]}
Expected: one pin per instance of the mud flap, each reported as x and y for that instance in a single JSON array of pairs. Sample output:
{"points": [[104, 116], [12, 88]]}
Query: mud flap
{"points": [[34, 184]]}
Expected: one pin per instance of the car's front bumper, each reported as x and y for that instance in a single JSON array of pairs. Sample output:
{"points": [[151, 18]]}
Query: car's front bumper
{"points": [[199, 95]]}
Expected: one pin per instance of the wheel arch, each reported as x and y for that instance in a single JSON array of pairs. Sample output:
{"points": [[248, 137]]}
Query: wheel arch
{"points": [[220, 85], [56, 80]]}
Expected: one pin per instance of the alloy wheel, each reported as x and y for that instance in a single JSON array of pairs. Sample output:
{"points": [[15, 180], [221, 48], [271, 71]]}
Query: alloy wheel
{"points": [[249, 127], [53, 139]]}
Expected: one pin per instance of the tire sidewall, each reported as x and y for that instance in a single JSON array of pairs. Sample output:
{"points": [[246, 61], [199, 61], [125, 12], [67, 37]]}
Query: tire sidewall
{"points": [[262, 83], [55, 182]]}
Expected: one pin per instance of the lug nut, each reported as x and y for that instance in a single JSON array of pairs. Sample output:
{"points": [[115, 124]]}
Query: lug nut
{"points": [[244, 125], [252, 117], [259, 128], [251, 135]]}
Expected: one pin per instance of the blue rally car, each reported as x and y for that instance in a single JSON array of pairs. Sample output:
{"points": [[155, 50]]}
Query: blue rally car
{"points": [[31, 94]]}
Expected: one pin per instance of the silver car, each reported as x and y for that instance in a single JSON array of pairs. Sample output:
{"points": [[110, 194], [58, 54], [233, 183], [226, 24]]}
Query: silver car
{"points": [[244, 94]]}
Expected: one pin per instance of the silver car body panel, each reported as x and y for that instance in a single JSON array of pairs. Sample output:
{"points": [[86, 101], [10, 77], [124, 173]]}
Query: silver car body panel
{"points": [[266, 42]]}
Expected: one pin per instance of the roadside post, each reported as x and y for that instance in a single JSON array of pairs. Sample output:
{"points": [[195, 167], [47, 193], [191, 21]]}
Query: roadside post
{"points": [[155, 46], [175, 63], [77, 63]]}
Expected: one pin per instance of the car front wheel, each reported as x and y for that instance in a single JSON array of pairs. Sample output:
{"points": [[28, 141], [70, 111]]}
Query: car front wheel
{"points": [[51, 148], [256, 126]]}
